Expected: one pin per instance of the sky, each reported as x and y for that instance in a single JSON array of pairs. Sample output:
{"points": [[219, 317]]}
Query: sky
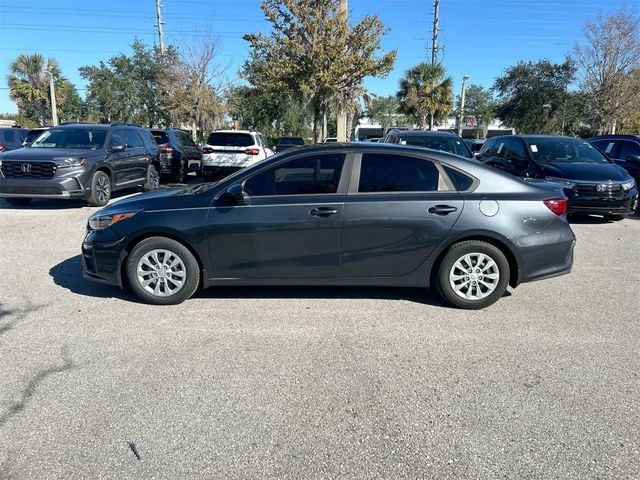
{"points": [[481, 38]]}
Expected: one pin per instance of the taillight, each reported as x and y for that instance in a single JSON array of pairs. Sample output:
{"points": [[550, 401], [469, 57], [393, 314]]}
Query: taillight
{"points": [[207, 150], [2, 147], [166, 149], [557, 205], [252, 151]]}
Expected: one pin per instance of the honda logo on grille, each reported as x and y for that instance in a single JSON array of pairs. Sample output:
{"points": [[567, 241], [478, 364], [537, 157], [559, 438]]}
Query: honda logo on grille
{"points": [[602, 187], [25, 168]]}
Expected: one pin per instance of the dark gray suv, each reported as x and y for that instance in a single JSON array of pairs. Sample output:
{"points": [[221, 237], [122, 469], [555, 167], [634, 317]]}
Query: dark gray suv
{"points": [[86, 161]]}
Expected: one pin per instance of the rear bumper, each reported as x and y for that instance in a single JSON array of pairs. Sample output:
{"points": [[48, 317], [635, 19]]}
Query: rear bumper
{"points": [[69, 187], [219, 172], [544, 262]]}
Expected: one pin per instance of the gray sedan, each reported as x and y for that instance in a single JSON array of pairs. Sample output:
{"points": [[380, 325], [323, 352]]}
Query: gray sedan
{"points": [[340, 214]]}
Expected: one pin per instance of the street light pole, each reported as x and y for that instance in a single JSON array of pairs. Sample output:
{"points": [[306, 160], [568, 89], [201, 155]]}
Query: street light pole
{"points": [[341, 122], [462, 95], [54, 108]]}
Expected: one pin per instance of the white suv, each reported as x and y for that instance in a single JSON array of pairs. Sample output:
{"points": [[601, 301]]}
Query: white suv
{"points": [[228, 151]]}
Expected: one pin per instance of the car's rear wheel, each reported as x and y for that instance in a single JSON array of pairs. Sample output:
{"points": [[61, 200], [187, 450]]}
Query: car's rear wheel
{"points": [[162, 271], [473, 275], [100, 189], [179, 175], [153, 178], [18, 201]]}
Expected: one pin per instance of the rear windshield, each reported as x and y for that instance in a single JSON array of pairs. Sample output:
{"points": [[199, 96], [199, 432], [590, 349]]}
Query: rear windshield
{"points": [[444, 144], [160, 136], [564, 151], [290, 141], [230, 139], [74, 138]]}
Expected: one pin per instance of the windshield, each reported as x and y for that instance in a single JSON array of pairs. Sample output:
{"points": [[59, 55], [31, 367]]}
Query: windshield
{"points": [[568, 150], [71, 138], [160, 136], [290, 141], [444, 144], [230, 139]]}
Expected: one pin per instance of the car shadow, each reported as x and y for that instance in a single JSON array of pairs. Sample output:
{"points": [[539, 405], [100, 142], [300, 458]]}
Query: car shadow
{"points": [[68, 274]]}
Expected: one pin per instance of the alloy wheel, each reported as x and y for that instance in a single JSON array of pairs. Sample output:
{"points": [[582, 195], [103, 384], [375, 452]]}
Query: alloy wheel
{"points": [[474, 276], [103, 189], [161, 272]]}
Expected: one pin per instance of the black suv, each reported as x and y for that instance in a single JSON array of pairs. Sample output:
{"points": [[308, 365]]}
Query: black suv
{"points": [[285, 143], [86, 161], [179, 154], [622, 149], [592, 183], [11, 138], [440, 140]]}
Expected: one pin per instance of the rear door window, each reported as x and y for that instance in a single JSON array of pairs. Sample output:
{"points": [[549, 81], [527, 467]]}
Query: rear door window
{"points": [[10, 136], [628, 148], [160, 137], [398, 173], [132, 139], [224, 139]]}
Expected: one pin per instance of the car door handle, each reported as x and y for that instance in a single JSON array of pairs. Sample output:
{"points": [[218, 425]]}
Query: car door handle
{"points": [[322, 212], [442, 209]]}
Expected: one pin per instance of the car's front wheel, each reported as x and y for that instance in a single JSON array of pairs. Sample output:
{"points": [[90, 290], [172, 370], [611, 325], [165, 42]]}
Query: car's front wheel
{"points": [[162, 271], [100, 189], [473, 275]]}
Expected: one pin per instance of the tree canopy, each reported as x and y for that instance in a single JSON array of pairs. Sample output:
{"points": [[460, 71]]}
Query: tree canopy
{"points": [[425, 94]]}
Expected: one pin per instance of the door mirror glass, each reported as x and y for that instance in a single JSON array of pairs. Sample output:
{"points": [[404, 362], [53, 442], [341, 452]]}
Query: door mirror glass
{"points": [[633, 158], [117, 147]]}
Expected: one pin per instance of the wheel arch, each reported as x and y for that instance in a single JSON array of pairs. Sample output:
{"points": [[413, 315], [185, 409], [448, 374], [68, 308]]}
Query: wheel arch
{"points": [[501, 244]]}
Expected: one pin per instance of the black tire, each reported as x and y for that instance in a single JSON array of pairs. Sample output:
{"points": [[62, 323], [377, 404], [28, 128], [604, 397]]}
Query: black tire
{"points": [[188, 267], [153, 178], [100, 189], [18, 201], [179, 176], [615, 218], [481, 296]]}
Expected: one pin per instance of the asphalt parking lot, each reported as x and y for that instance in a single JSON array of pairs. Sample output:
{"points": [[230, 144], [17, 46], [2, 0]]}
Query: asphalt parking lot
{"points": [[315, 382]]}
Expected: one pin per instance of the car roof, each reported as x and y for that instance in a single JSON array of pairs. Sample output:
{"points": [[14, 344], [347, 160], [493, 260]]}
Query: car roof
{"points": [[615, 137], [423, 133], [87, 125], [234, 131]]}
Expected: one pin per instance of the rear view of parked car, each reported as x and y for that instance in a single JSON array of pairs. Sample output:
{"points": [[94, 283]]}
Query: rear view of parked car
{"points": [[85, 161], [179, 154], [593, 183], [347, 214], [11, 138], [433, 139], [284, 143], [228, 151]]}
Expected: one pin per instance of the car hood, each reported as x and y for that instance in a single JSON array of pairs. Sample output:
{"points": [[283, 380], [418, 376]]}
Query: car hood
{"points": [[164, 198], [587, 172], [44, 154]]}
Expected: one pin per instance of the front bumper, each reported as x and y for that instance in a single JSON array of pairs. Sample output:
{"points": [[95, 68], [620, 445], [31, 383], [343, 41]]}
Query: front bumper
{"points": [[102, 258], [64, 187], [624, 203]]}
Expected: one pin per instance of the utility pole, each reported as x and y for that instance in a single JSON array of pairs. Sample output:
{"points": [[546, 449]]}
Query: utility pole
{"points": [[342, 115], [464, 91], [52, 90], [434, 49], [159, 25]]}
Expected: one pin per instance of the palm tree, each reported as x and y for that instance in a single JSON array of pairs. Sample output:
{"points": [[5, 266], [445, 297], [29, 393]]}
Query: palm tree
{"points": [[426, 93], [29, 83]]}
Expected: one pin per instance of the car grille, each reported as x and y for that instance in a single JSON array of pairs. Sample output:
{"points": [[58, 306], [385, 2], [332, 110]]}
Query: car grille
{"points": [[606, 189], [38, 170], [30, 190]]}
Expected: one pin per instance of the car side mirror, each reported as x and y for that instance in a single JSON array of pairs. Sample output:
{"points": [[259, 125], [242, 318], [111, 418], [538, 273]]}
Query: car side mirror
{"points": [[236, 192], [633, 158], [117, 148]]}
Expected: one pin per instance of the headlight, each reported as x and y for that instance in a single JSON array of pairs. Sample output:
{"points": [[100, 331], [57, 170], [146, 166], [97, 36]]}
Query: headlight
{"points": [[100, 222], [562, 181], [69, 162], [627, 185]]}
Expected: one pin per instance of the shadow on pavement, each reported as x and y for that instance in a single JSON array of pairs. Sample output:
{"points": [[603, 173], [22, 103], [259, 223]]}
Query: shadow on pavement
{"points": [[68, 274]]}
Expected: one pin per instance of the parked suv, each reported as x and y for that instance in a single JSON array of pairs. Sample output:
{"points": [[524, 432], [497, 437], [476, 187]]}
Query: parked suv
{"points": [[622, 149], [228, 151], [87, 161], [11, 138], [442, 141], [179, 154], [592, 183], [284, 143]]}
